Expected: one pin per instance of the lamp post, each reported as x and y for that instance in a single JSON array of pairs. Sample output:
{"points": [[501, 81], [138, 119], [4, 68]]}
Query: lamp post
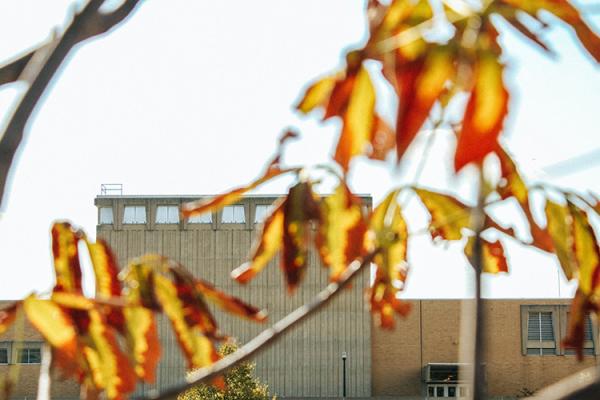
{"points": [[344, 356]]}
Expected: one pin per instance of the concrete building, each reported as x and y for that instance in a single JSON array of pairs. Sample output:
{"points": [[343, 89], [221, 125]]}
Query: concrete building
{"points": [[417, 360]]}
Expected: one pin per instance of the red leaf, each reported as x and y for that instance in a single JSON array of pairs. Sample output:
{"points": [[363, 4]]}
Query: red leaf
{"points": [[66, 258]]}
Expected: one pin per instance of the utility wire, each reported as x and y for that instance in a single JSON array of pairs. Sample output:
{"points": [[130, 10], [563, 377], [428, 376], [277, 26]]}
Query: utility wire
{"points": [[574, 164]]}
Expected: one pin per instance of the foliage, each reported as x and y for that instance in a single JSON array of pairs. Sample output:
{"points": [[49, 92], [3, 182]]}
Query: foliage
{"points": [[109, 341], [240, 383]]}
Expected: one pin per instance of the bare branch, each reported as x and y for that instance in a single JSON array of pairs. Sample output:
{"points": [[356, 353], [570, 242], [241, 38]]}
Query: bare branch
{"points": [[585, 384], [39, 67], [44, 381], [265, 338]]}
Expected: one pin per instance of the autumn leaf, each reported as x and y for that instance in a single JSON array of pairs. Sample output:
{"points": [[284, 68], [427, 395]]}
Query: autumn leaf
{"points": [[585, 248], [559, 227], [342, 230], [300, 210], [7, 316], [66, 258], [106, 270], [142, 341], [494, 260], [383, 139], [197, 348], [569, 14], [269, 243], [228, 303], [109, 366], [485, 112], [580, 307], [388, 234], [358, 120], [448, 215], [317, 95], [419, 83]]}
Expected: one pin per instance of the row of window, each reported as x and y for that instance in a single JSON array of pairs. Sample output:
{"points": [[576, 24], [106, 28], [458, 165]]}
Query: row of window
{"points": [[169, 214], [20, 352], [544, 327]]}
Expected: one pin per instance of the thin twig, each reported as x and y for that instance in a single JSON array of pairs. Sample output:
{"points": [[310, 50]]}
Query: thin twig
{"points": [[264, 339], [38, 67]]}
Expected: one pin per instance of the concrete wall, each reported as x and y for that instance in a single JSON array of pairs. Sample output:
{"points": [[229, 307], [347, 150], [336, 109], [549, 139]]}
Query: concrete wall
{"points": [[430, 334], [306, 362]]}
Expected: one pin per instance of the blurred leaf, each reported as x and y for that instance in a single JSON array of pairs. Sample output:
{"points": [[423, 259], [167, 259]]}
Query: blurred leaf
{"points": [[448, 215], [388, 233], [585, 248], [494, 260], [569, 14], [419, 83], [300, 210], [109, 366], [341, 233], [559, 228], [266, 248], [580, 307], [317, 95], [230, 304], [485, 112], [383, 139], [66, 258], [7, 316], [512, 184], [106, 270], [358, 119], [197, 348], [142, 341]]}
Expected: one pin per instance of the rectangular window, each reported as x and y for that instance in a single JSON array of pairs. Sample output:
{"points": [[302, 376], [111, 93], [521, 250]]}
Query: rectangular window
{"points": [[261, 211], [134, 215], [106, 215], [29, 354], [233, 215], [205, 218], [167, 215], [4, 353], [540, 333]]}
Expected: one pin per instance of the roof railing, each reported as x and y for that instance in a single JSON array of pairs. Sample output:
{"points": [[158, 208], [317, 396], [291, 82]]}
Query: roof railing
{"points": [[111, 189]]}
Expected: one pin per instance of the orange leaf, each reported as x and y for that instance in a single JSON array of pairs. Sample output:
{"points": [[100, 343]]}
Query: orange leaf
{"points": [[341, 233], [197, 348], [448, 215], [7, 316], [66, 258], [266, 248], [494, 260], [485, 113], [580, 307], [229, 303], [512, 184], [106, 269], [569, 14], [420, 83], [383, 139], [216, 203], [317, 95], [585, 249]]}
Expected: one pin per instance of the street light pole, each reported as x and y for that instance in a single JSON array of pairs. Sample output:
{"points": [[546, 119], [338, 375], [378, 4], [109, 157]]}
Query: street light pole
{"points": [[344, 356]]}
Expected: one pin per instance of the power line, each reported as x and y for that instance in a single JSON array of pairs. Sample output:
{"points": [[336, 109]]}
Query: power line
{"points": [[574, 164]]}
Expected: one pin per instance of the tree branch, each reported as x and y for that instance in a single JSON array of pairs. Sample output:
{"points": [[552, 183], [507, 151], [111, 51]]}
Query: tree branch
{"points": [[38, 67], [584, 384], [265, 338]]}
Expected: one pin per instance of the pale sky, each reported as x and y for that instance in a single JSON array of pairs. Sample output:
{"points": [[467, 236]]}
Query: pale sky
{"points": [[189, 97]]}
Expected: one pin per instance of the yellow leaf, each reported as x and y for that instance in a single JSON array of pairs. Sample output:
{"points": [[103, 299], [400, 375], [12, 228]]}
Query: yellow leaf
{"points": [[494, 260], [358, 120], [317, 95], [266, 248], [448, 215], [66, 258], [142, 340], [7, 316], [342, 231], [106, 269], [586, 251], [559, 227]]}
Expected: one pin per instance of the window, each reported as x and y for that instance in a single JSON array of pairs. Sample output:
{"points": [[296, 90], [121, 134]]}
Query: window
{"points": [[446, 390], [167, 215], [134, 215], [29, 353], [233, 215], [588, 338], [540, 333], [205, 218], [106, 215], [4, 352], [261, 212]]}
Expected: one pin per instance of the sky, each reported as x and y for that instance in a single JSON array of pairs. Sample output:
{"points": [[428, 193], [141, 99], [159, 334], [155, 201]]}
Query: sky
{"points": [[189, 97]]}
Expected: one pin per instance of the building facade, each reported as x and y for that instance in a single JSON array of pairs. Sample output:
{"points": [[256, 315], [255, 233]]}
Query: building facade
{"points": [[420, 359]]}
